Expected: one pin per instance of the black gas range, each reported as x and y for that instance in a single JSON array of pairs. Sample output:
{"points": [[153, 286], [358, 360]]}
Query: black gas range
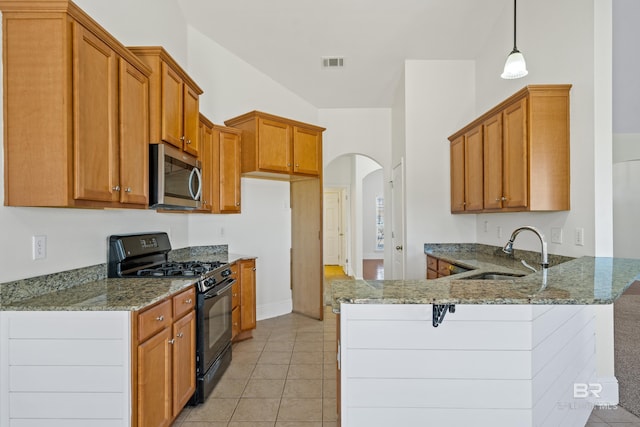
{"points": [[146, 255]]}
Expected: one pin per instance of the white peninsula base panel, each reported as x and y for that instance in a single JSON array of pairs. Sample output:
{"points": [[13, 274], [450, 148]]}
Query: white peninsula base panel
{"points": [[485, 365], [65, 369]]}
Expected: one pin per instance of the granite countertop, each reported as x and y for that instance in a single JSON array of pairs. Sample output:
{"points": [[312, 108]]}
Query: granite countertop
{"points": [[586, 280], [89, 289]]}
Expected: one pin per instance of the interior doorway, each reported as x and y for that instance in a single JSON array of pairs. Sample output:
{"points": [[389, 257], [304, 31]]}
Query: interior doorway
{"points": [[354, 220]]}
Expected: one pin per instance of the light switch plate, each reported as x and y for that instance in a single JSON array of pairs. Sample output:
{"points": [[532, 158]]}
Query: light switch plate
{"points": [[556, 235]]}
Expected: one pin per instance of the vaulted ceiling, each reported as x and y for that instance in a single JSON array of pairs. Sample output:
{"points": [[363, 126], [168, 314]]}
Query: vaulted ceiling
{"points": [[287, 39]]}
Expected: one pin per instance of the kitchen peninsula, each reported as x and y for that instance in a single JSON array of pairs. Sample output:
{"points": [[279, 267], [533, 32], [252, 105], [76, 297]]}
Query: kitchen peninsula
{"points": [[507, 352]]}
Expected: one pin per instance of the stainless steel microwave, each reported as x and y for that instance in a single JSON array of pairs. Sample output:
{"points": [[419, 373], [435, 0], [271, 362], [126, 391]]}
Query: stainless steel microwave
{"points": [[175, 178]]}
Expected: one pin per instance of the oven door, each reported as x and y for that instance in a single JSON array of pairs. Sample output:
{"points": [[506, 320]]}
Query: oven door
{"points": [[214, 324]]}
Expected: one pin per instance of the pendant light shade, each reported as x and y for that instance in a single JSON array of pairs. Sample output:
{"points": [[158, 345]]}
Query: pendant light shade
{"points": [[515, 67]]}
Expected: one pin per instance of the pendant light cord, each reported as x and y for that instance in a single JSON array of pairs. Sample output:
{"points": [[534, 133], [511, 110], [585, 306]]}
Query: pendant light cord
{"points": [[514, 25]]}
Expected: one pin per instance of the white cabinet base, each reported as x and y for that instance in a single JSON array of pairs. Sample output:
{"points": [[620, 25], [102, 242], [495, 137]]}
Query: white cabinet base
{"points": [[65, 369], [485, 365]]}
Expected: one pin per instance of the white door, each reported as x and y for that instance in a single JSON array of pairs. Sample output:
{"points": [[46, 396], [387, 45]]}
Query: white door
{"points": [[332, 228], [397, 231]]}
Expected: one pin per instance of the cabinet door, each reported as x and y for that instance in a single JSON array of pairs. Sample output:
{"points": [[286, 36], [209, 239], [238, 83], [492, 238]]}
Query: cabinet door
{"points": [[154, 380], [190, 120], [134, 135], [473, 170], [95, 144], [171, 106], [247, 294], [229, 172], [274, 147], [210, 169], [307, 151], [184, 361], [493, 193], [516, 166], [457, 174]]}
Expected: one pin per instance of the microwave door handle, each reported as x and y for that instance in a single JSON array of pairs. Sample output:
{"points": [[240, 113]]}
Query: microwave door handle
{"points": [[195, 172]]}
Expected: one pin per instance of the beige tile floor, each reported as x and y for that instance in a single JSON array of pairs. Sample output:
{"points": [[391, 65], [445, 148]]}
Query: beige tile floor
{"points": [[285, 377]]}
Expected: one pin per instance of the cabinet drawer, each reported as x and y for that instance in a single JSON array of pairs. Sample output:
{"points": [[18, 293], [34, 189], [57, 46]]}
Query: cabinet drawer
{"points": [[432, 263], [184, 302], [153, 320], [235, 293]]}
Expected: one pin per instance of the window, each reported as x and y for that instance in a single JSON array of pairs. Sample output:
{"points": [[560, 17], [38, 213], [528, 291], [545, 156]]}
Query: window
{"points": [[379, 223]]}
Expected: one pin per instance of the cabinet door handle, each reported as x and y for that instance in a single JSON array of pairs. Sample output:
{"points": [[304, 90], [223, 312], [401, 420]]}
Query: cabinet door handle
{"points": [[182, 138], [116, 188], [237, 203], [172, 341], [188, 301], [254, 269], [160, 318], [180, 335], [127, 190]]}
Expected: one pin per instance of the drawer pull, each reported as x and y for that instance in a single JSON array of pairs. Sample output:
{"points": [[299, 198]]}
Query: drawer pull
{"points": [[188, 301], [160, 318]]}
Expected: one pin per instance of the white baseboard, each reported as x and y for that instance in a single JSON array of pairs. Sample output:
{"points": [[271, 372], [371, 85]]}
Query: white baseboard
{"points": [[274, 309], [609, 395]]}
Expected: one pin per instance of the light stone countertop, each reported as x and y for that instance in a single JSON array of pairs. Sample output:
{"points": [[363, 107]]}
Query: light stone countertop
{"points": [[586, 280], [100, 293]]}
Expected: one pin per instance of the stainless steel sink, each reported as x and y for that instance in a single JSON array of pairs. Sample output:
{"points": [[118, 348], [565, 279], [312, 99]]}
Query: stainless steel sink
{"points": [[493, 276]]}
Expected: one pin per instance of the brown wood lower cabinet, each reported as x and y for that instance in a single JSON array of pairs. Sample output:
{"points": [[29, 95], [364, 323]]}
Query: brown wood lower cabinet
{"points": [[437, 268], [244, 299], [164, 363]]}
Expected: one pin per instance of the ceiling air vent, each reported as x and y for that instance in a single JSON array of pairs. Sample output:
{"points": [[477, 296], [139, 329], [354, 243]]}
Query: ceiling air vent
{"points": [[333, 62]]}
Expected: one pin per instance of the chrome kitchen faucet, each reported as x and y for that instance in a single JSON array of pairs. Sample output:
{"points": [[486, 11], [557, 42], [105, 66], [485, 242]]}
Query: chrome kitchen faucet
{"points": [[508, 248]]}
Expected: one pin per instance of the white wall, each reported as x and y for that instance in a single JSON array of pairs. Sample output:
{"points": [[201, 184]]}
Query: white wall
{"points": [[439, 99], [559, 48]]}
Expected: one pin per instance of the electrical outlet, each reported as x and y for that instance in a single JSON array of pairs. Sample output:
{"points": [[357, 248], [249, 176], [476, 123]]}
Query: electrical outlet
{"points": [[578, 238], [556, 235], [39, 247]]}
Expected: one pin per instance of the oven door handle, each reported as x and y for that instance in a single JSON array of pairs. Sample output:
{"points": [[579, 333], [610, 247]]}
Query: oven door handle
{"points": [[219, 291]]}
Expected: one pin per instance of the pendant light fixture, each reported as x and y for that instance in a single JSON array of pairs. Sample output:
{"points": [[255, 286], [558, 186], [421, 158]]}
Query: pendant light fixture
{"points": [[515, 67]]}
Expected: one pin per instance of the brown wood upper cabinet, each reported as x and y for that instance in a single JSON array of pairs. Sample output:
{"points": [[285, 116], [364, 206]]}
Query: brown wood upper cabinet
{"points": [[174, 100], [274, 146], [76, 111], [220, 157], [515, 157]]}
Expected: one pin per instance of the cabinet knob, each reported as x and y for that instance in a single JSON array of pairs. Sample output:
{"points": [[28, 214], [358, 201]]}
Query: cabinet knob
{"points": [[127, 190], [254, 269], [504, 199], [188, 301], [237, 203], [172, 341], [180, 335], [288, 164], [297, 165], [116, 188], [188, 141], [160, 318], [182, 138]]}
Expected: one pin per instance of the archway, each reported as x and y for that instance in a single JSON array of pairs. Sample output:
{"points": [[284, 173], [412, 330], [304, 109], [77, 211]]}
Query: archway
{"points": [[354, 219]]}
